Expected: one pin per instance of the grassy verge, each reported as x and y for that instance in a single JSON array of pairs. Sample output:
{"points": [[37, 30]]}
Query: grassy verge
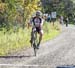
{"points": [[12, 41], [51, 31]]}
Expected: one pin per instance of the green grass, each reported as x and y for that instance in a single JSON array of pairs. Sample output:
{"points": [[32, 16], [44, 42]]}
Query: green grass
{"points": [[13, 41], [51, 31]]}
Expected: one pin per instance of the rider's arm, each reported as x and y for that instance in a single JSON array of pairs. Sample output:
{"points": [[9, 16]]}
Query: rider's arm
{"points": [[42, 22], [30, 23]]}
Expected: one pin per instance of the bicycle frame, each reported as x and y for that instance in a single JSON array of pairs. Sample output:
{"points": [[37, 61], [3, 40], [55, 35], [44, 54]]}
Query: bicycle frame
{"points": [[33, 39]]}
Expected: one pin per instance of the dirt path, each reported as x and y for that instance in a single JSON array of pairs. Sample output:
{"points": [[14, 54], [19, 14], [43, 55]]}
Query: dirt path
{"points": [[57, 52]]}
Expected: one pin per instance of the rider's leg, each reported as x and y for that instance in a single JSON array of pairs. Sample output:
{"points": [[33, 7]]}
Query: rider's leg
{"points": [[40, 38]]}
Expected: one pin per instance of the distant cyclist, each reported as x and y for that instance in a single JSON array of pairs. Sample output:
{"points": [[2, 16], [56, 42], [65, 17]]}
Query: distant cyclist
{"points": [[37, 21]]}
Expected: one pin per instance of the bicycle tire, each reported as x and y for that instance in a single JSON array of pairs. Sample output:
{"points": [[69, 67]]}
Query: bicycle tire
{"points": [[34, 37], [35, 51]]}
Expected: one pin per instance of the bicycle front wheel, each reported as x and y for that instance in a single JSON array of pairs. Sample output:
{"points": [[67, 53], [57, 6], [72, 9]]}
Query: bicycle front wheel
{"points": [[35, 51]]}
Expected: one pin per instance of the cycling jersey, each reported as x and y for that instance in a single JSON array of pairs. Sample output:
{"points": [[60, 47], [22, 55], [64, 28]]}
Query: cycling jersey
{"points": [[36, 21]]}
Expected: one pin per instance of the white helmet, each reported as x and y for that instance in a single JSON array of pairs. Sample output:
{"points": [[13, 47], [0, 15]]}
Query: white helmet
{"points": [[38, 13]]}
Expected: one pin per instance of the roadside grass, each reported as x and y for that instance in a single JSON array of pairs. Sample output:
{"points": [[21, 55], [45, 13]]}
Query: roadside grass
{"points": [[11, 41], [51, 31]]}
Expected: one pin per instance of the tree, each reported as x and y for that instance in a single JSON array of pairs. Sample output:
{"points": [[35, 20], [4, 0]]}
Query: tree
{"points": [[19, 8], [60, 6]]}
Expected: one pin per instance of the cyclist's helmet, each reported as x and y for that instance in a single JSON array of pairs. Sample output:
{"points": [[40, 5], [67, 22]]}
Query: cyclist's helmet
{"points": [[38, 13]]}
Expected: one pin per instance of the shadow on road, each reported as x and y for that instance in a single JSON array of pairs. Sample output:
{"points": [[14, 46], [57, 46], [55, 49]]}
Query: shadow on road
{"points": [[17, 56], [66, 66]]}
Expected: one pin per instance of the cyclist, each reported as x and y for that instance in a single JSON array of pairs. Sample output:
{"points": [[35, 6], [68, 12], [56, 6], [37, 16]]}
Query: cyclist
{"points": [[38, 23]]}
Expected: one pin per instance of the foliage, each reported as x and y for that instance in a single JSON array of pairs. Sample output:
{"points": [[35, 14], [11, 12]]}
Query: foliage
{"points": [[13, 11], [12, 41], [62, 7]]}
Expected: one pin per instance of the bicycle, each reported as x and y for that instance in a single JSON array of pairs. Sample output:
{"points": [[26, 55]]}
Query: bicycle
{"points": [[34, 40]]}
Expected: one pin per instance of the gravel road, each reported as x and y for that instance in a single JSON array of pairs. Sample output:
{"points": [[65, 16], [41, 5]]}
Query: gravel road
{"points": [[57, 52]]}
